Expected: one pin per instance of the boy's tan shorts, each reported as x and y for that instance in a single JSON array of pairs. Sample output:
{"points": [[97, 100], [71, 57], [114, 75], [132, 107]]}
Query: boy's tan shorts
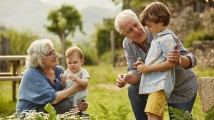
{"points": [[156, 103]]}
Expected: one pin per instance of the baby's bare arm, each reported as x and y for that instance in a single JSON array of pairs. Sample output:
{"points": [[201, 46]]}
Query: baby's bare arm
{"points": [[81, 81]]}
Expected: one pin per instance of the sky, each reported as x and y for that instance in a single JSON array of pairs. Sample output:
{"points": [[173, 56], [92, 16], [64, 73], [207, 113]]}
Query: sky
{"points": [[32, 14], [81, 4]]}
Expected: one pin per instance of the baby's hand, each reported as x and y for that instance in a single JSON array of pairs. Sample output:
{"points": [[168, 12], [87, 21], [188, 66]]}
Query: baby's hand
{"points": [[63, 82], [63, 77], [73, 78]]}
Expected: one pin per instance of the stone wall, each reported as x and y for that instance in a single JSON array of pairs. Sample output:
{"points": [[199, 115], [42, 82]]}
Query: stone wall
{"points": [[204, 52], [206, 87]]}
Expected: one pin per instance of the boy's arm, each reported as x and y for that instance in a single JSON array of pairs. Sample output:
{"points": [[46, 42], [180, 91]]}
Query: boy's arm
{"points": [[164, 66]]}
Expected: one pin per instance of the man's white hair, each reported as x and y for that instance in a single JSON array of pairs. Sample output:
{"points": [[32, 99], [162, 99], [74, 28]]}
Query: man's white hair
{"points": [[126, 12]]}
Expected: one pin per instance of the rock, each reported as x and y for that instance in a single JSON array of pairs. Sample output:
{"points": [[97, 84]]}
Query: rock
{"points": [[206, 92]]}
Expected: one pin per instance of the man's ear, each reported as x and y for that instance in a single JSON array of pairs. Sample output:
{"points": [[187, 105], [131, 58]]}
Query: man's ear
{"points": [[122, 34]]}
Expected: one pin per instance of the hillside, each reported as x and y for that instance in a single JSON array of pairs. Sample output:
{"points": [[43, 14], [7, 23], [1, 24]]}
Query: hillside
{"points": [[32, 14]]}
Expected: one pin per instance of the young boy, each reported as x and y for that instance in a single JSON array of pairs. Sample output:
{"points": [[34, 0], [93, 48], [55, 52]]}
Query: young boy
{"points": [[158, 84], [75, 74]]}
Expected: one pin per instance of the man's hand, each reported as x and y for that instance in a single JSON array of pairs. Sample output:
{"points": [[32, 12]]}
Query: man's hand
{"points": [[121, 80], [174, 55]]}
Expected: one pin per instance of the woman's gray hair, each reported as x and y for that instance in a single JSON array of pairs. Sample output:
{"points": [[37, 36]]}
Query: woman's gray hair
{"points": [[37, 51], [127, 12]]}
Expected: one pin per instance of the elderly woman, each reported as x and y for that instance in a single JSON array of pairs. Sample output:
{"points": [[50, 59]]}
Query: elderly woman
{"points": [[41, 82]]}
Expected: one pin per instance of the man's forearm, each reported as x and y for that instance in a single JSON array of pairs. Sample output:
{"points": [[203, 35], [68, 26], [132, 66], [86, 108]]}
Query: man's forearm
{"points": [[185, 62], [132, 78]]}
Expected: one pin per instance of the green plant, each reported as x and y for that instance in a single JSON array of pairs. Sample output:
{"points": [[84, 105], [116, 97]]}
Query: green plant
{"points": [[102, 90], [50, 115], [106, 115], [178, 114], [63, 22], [210, 114], [52, 112], [16, 37], [204, 72], [199, 35], [121, 113]]}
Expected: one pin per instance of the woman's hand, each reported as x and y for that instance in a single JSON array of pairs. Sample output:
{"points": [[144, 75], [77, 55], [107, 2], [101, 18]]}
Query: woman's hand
{"points": [[78, 87], [82, 105]]}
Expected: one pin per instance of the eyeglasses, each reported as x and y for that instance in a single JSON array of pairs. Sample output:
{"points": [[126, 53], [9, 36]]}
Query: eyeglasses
{"points": [[52, 53]]}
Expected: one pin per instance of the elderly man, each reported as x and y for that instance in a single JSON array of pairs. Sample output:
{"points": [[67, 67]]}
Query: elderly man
{"points": [[136, 45]]}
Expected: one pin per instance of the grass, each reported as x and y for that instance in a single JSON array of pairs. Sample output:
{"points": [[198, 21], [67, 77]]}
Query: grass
{"points": [[7, 106], [103, 92]]}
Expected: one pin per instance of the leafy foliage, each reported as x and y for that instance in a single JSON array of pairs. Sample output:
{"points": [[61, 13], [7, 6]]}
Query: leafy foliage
{"points": [[103, 41], [106, 115], [121, 113], [102, 90], [200, 35], [19, 41], [52, 112], [50, 115], [178, 114], [64, 21], [138, 5], [210, 114]]}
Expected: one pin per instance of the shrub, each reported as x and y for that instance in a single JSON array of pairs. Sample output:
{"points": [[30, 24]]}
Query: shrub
{"points": [[197, 36], [178, 114], [210, 114], [50, 115]]}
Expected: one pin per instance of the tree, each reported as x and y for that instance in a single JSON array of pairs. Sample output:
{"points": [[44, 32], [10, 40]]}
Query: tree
{"points": [[63, 22], [138, 5], [19, 40], [103, 40]]}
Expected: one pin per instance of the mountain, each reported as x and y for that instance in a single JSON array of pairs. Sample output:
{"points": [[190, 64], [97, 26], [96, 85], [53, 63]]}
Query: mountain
{"points": [[92, 15], [32, 14]]}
